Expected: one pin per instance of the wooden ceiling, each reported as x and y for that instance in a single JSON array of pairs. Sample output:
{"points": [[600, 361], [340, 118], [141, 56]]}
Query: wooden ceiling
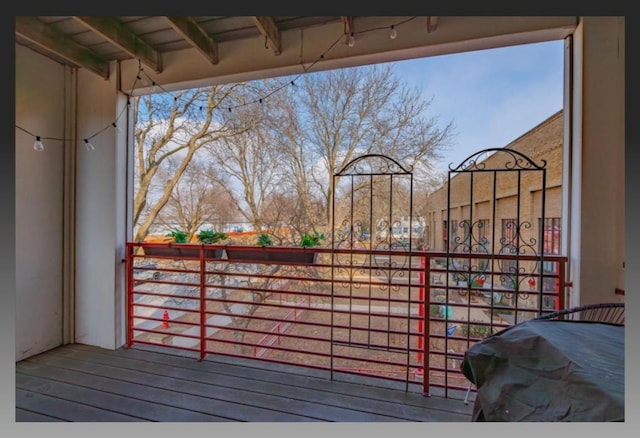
{"points": [[179, 52], [93, 42]]}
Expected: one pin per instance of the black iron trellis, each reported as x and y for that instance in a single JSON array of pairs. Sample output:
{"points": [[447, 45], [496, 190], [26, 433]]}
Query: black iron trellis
{"points": [[372, 211], [506, 277], [514, 243]]}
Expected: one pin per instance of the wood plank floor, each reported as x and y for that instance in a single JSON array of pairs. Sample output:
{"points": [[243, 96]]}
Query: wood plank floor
{"points": [[89, 384]]}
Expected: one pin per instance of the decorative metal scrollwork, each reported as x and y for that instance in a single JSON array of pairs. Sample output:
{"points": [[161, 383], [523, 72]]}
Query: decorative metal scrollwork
{"points": [[374, 164], [477, 161]]}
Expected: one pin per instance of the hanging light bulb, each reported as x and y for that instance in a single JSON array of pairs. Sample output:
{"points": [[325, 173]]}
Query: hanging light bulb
{"points": [[143, 80], [393, 33], [352, 40], [154, 87], [38, 146], [116, 127], [89, 146]]}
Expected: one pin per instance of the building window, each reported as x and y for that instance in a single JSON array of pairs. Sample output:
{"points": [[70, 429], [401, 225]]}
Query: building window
{"points": [[482, 243], [509, 245], [551, 234], [445, 233], [454, 231], [509, 232], [482, 234]]}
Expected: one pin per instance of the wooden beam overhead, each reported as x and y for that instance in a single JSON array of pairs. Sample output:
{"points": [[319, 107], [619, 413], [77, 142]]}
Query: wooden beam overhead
{"points": [[432, 24], [190, 30], [118, 34], [44, 36], [269, 29]]}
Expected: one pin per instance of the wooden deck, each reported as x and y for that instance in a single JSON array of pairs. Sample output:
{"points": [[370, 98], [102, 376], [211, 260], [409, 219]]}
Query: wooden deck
{"points": [[89, 384]]}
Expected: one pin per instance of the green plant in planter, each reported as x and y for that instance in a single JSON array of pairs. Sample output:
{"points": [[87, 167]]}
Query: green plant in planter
{"points": [[210, 236], [309, 240], [178, 235], [264, 240]]}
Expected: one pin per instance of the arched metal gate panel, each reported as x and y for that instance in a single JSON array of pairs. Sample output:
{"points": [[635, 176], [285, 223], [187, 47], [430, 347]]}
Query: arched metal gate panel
{"points": [[372, 218], [496, 207], [495, 272]]}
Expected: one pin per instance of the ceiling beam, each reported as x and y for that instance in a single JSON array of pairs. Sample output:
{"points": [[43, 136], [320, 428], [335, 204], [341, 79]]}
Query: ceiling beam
{"points": [[44, 36], [432, 24], [118, 34], [269, 29], [190, 30]]}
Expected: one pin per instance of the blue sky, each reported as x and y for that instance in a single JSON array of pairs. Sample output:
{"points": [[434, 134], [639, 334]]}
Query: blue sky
{"points": [[492, 96]]}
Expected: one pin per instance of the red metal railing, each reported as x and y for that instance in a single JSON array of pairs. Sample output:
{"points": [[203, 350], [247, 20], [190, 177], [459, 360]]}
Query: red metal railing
{"points": [[350, 311]]}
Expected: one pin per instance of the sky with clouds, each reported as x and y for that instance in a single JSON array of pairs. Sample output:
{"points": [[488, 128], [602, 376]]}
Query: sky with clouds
{"points": [[492, 96]]}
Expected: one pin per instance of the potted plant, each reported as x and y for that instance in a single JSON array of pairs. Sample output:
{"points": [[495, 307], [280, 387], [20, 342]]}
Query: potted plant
{"points": [[210, 237], [278, 254], [264, 240], [310, 240], [177, 236], [251, 253]]}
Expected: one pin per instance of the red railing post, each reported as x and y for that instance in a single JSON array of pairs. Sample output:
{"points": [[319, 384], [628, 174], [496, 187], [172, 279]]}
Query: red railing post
{"points": [[203, 304], [421, 308], [129, 267], [560, 298]]}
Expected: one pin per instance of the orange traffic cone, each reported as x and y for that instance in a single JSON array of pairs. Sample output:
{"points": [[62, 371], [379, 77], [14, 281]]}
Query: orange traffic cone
{"points": [[165, 319]]}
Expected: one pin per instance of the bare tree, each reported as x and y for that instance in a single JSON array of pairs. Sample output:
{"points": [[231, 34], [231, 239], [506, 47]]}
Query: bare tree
{"points": [[336, 116], [249, 167], [177, 127], [196, 200]]}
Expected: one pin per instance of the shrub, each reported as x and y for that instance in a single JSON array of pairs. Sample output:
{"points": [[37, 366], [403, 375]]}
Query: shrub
{"points": [[210, 236], [264, 240], [311, 239], [178, 235]]}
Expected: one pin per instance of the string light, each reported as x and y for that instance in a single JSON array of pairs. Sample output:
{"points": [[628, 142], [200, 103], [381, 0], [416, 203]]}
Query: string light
{"points": [[89, 146], [144, 80], [38, 146], [393, 34]]}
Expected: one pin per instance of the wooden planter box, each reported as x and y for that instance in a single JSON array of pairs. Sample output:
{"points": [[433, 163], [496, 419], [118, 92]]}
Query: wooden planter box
{"points": [[299, 257], [182, 252], [271, 254]]}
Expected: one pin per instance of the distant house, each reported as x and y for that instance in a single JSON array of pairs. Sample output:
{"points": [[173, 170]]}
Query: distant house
{"points": [[400, 228]]}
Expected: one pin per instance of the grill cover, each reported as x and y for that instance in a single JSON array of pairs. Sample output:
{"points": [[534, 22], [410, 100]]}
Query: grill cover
{"points": [[549, 370]]}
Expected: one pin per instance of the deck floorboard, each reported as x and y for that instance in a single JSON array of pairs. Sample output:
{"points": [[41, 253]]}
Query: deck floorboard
{"points": [[84, 383]]}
